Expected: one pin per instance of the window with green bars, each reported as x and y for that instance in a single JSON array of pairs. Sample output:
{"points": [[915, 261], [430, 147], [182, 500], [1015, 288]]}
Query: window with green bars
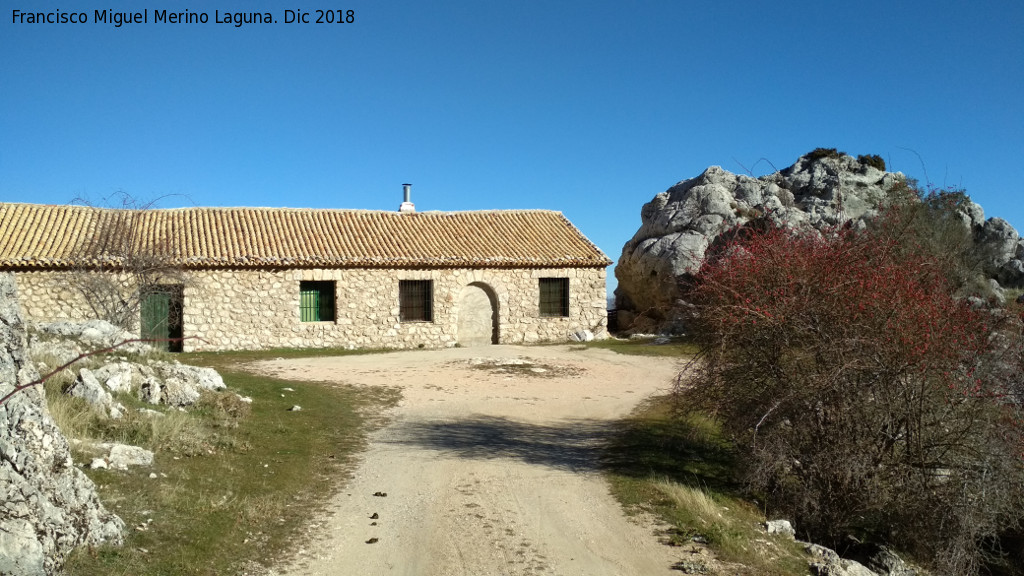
{"points": [[416, 300], [554, 297], [316, 301]]}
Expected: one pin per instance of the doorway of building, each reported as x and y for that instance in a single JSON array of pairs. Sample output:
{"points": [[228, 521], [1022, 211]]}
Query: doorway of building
{"points": [[478, 316], [161, 316]]}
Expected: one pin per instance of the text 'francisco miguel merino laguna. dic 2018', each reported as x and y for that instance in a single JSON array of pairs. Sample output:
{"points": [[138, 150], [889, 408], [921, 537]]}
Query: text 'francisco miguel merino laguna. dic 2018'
{"points": [[236, 19]]}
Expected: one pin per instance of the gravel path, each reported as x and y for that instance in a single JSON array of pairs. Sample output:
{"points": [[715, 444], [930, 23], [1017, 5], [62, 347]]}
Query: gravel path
{"points": [[488, 466]]}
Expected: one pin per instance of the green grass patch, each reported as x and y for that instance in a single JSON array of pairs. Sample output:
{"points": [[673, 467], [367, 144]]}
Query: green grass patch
{"points": [[676, 347], [236, 484], [235, 358], [683, 470]]}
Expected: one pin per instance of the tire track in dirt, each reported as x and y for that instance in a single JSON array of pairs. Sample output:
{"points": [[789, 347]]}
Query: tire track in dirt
{"points": [[489, 468]]}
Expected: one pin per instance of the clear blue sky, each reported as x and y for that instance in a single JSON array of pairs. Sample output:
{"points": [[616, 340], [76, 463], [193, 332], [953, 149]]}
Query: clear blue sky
{"points": [[587, 107]]}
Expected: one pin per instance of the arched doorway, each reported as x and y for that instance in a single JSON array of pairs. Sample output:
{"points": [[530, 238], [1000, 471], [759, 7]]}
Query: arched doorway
{"points": [[478, 316]]}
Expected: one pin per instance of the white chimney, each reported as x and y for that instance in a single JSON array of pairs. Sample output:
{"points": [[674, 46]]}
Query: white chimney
{"points": [[407, 205]]}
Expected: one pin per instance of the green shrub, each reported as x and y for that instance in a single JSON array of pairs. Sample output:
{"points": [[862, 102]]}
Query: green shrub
{"points": [[819, 153], [872, 160]]}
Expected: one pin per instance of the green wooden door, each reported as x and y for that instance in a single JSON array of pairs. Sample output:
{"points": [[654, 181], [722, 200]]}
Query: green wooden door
{"points": [[160, 318], [156, 311]]}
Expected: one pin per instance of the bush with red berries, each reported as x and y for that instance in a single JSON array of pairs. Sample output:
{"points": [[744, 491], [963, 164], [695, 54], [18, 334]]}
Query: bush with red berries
{"points": [[869, 403]]}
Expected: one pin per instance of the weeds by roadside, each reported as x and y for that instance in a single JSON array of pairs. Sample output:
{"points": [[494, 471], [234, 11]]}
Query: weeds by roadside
{"points": [[681, 471]]}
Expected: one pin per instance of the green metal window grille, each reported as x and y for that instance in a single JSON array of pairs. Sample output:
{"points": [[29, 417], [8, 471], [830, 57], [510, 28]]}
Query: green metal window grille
{"points": [[416, 300], [316, 301], [554, 297]]}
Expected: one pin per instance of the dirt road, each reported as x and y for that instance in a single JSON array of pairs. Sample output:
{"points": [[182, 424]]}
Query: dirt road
{"points": [[488, 466]]}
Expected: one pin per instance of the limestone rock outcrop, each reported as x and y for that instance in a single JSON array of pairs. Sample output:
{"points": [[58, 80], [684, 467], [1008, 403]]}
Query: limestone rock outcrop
{"points": [[94, 333], [176, 384], [157, 382], [116, 376], [196, 377], [87, 387], [818, 191], [47, 506]]}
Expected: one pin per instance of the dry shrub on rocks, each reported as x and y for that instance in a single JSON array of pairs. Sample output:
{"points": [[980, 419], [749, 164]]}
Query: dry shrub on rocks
{"points": [[945, 228], [225, 407], [867, 400]]}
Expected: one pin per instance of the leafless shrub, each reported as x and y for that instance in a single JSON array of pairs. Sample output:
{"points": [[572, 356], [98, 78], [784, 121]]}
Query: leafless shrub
{"points": [[118, 266]]}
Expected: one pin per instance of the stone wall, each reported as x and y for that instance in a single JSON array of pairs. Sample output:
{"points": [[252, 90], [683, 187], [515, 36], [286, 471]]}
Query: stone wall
{"points": [[49, 295], [257, 309]]}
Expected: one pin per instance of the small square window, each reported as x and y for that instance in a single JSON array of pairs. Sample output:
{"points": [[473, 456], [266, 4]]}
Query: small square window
{"points": [[316, 301], [416, 300], [554, 297]]}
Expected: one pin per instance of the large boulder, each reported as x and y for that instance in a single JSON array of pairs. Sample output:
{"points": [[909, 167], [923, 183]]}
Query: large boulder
{"points": [[1002, 251], [818, 191], [825, 562], [679, 225], [47, 506]]}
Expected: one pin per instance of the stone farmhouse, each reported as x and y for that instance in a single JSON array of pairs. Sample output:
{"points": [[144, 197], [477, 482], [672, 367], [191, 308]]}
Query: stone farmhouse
{"points": [[257, 278]]}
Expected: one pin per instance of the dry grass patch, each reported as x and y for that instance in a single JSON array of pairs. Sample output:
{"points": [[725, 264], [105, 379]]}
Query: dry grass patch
{"points": [[233, 485], [682, 472]]}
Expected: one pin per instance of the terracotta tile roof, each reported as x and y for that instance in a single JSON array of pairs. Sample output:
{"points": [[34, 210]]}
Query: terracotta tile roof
{"points": [[46, 236]]}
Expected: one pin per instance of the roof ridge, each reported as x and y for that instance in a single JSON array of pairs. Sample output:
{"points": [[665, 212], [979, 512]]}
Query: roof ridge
{"points": [[275, 208]]}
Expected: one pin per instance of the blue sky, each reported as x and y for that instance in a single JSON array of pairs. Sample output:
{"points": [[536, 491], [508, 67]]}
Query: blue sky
{"points": [[590, 108]]}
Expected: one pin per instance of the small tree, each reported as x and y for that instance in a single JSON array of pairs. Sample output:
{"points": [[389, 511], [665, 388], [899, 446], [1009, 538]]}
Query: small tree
{"points": [[867, 399], [118, 265]]}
